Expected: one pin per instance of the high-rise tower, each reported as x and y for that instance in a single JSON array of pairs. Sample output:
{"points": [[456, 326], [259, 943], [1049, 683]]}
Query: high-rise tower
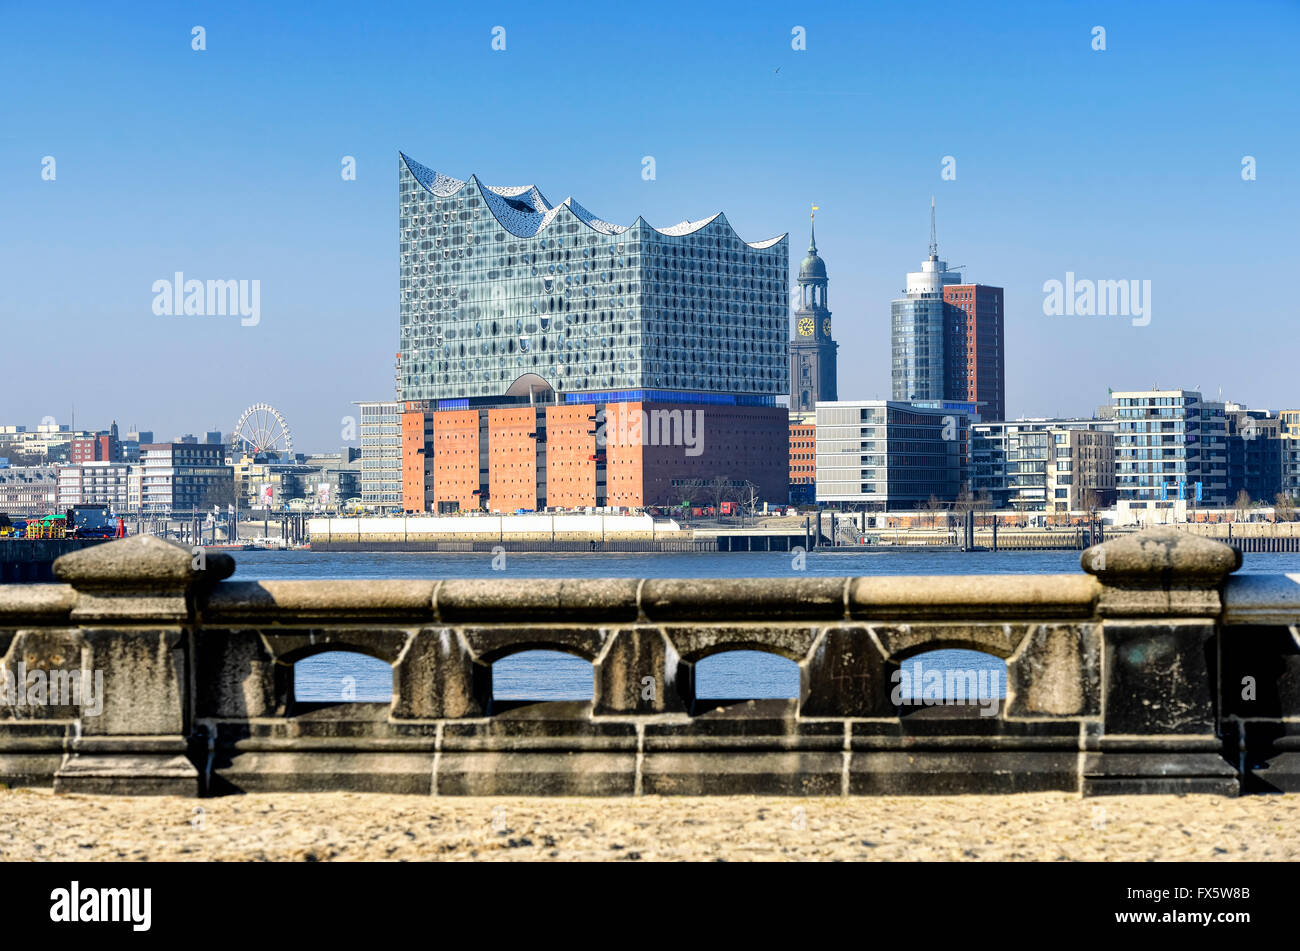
{"points": [[946, 338], [812, 351]]}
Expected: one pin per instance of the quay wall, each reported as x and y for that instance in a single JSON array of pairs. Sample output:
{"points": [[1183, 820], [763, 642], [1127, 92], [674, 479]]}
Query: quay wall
{"points": [[568, 532], [32, 559]]}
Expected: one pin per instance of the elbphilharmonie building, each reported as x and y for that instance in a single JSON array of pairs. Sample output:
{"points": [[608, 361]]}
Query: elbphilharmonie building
{"points": [[535, 337], [498, 284]]}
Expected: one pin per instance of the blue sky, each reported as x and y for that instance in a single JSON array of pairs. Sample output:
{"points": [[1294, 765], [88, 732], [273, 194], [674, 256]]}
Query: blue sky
{"points": [[225, 163]]}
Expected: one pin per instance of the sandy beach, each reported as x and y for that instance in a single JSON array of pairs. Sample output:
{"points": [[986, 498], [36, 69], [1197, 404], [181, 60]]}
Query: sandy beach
{"points": [[37, 825]]}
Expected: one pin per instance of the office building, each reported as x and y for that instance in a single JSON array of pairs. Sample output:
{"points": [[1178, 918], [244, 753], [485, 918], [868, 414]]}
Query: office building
{"points": [[381, 455], [182, 477], [1254, 451], [1081, 474], [946, 338], [990, 471], [95, 483], [803, 458], [28, 490], [49, 442], [973, 347], [99, 447], [1170, 446], [883, 455], [332, 479], [1289, 431], [132, 442], [1289, 421], [1044, 465]]}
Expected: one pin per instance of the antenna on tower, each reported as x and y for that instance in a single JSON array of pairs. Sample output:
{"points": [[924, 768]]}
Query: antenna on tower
{"points": [[934, 241]]}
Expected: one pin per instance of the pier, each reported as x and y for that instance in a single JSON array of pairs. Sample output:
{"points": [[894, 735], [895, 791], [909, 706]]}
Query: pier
{"points": [[1155, 670]]}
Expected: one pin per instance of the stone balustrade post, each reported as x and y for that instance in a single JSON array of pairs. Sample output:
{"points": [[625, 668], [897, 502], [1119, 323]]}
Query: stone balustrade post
{"points": [[133, 615], [1160, 606], [637, 673]]}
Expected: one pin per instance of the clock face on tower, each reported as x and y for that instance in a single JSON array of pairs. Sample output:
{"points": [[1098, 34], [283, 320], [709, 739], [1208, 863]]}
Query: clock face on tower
{"points": [[826, 326], [806, 326]]}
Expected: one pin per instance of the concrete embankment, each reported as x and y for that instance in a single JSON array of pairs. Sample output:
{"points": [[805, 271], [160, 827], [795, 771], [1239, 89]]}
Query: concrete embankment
{"points": [[1062, 540], [486, 533], [1252, 536], [31, 559], [547, 533], [512, 543]]}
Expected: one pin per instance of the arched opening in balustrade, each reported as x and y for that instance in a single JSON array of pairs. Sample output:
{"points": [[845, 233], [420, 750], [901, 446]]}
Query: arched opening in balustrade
{"points": [[746, 675], [541, 675], [338, 675], [950, 682]]}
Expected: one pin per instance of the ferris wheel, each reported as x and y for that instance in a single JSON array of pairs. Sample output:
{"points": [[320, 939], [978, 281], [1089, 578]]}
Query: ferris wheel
{"points": [[261, 429]]}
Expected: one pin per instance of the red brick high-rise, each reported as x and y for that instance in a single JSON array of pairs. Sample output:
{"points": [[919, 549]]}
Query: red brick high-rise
{"points": [[101, 447], [975, 348]]}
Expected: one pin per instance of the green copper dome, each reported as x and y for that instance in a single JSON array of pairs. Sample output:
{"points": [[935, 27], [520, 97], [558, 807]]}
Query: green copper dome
{"points": [[812, 266]]}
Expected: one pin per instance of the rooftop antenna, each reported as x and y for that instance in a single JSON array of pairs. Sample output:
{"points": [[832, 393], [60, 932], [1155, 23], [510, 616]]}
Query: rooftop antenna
{"points": [[934, 241]]}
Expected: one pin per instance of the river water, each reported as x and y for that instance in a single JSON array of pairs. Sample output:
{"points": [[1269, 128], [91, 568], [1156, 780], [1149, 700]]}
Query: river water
{"points": [[550, 675]]}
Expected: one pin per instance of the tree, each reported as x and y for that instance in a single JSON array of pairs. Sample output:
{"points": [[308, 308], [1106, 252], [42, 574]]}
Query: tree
{"points": [[1089, 498], [1284, 507], [1242, 503], [748, 500], [932, 507], [221, 493], [965, 502], [683, 494], [719, 488], [19, 456]]}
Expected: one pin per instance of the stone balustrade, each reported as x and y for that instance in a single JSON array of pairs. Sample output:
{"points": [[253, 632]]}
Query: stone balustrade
{"points": [[1154, 671]]}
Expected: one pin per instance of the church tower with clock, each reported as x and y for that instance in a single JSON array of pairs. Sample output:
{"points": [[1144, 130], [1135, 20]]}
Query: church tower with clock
{"points": [[812, 351]]}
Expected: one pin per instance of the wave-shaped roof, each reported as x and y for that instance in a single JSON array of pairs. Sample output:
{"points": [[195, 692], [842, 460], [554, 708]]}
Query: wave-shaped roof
{"points": [[524, 211]]}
